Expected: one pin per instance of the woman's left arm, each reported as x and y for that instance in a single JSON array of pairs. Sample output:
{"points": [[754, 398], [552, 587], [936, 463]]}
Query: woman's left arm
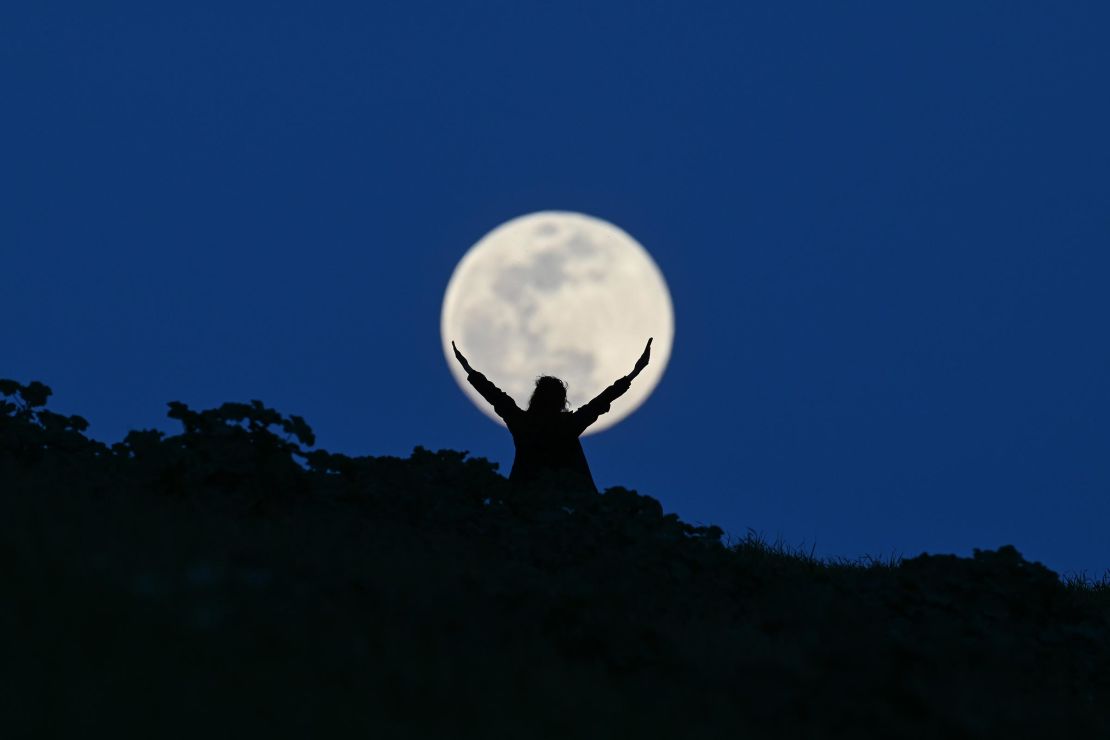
{"points": [[503, 404]]}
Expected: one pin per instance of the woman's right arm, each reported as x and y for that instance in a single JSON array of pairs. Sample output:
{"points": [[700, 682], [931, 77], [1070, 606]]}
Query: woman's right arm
{"points": [[588, 414]]}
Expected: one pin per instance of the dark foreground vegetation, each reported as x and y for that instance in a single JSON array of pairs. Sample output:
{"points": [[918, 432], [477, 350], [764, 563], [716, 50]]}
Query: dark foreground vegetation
{"points": [[226, 580]]}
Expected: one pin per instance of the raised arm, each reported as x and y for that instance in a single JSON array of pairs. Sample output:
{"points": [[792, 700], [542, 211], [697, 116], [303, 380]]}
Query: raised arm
{"points": [[588, 413], [503, 404]]}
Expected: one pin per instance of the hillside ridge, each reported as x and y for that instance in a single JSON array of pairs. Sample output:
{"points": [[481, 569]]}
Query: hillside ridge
{"points": [[230, 575]]}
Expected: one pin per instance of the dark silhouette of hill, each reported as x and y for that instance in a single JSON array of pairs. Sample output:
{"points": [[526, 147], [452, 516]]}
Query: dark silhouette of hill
{"points": [[230, 580]]}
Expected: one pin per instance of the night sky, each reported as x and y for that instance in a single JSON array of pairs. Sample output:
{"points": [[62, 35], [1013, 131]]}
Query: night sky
{"points": [[886, 232]]}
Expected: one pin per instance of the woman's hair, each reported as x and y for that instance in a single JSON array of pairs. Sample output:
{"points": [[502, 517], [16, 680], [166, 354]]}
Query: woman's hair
{"points": [[550, 395]]}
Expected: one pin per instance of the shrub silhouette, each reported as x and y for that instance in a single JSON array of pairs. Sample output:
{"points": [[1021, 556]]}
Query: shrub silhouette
{"points": [[279, 588], [27, 429]]}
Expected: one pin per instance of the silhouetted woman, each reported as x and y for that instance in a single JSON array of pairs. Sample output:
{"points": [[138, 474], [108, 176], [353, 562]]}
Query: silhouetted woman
{"points": [[546, 435]]}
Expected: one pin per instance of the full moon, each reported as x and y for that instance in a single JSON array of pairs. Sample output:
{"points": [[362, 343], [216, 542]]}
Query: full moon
{"points": [[564, 294]]}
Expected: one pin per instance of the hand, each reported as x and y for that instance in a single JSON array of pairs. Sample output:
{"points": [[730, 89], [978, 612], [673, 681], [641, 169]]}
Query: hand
{"points": [[461, 359], [643, 361]]}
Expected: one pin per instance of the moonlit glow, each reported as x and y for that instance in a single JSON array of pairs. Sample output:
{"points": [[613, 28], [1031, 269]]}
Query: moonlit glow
{"points": [[558, 293]]}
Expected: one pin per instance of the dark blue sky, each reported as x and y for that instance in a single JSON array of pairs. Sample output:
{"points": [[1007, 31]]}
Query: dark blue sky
{"points": [[886, 232]]}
